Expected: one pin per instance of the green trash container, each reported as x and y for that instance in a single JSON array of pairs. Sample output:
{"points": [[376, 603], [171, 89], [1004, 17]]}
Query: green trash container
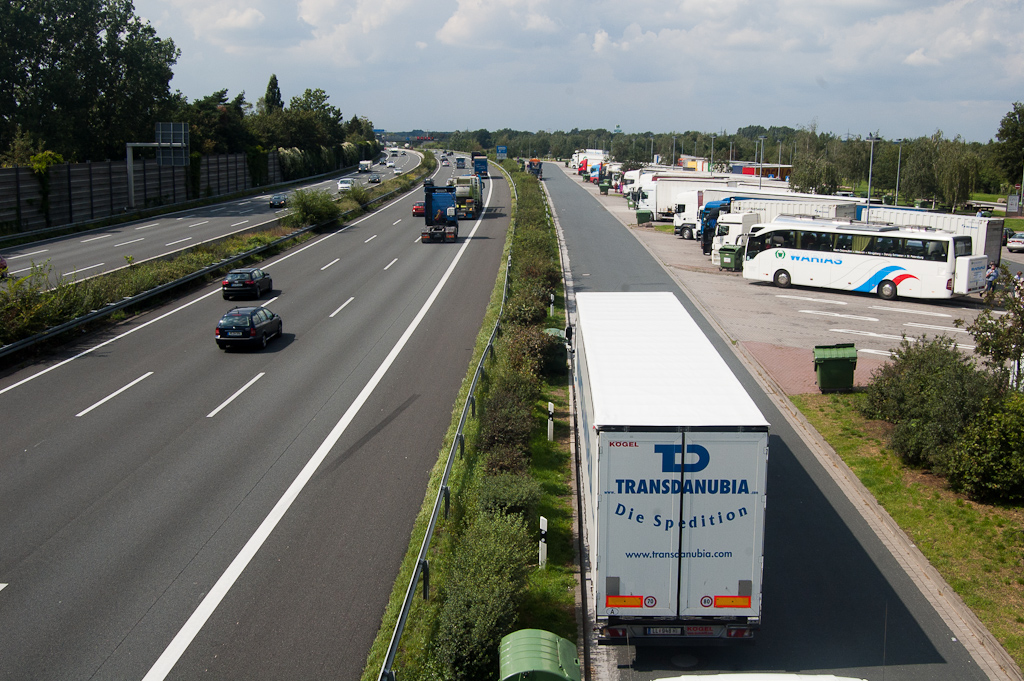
{"points": [[604, 187], [629, 203], [644, 216], [537, 655], [730, 257], [834, 365]]}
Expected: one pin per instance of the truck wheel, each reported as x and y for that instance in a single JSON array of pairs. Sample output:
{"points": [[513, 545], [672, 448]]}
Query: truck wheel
{"points": [[687, 233], [887, 290], [782, 279]]}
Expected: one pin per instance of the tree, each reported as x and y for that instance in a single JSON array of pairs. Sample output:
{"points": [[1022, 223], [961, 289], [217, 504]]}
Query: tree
{"points": [[917, 177], [999, 338], [272, 100], [956, 171], [1010, 150], [84, 75]]}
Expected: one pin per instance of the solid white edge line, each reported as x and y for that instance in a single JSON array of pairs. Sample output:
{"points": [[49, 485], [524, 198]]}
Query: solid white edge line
{"points": [[115, 393], [237, 393], [342, 307], [162, 667], [90, 267]]}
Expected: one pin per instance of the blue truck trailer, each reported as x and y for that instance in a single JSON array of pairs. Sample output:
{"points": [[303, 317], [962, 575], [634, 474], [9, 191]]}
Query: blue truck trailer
{"points": [[479, 164], [440, 218]]}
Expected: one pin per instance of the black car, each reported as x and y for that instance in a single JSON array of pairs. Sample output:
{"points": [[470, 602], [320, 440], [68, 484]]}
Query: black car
{"points": [[249, 280], [374, 178], [278, 201], [247, 327]]}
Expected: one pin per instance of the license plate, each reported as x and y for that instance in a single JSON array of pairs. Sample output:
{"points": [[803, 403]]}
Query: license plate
{"points": [[236, 286], [664, 631], [234, 333]]}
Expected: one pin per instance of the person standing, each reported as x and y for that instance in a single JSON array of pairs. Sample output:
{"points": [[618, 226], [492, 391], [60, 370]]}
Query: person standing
{"points": [[991, 274]]}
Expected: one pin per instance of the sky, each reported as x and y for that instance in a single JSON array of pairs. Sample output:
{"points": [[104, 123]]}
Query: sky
{"points": [[898, 68]]}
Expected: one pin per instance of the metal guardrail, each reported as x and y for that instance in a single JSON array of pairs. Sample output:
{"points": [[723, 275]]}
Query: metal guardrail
{"points": [[422, 567], [128, 301]]}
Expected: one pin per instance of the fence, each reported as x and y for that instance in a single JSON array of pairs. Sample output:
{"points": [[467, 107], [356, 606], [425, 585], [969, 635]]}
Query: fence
{"points": [[80, 192]]}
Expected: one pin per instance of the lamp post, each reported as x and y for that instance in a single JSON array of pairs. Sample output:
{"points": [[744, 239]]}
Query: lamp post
{"points": [[652, 148], [899, 159], [674, 151], [760, 167], [871, 162], [713, 136]]}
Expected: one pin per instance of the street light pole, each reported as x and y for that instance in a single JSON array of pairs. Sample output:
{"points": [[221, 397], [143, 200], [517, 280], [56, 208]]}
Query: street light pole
{"points": [[713, 154], [673, 151], [760, 167], [871, 162], [899, 159]]}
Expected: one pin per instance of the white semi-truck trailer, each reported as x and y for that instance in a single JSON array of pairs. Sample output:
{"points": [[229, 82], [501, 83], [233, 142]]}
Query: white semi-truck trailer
{"points": [[674, 456]]}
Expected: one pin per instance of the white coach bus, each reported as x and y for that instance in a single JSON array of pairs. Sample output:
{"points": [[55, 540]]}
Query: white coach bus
{"points": [[869, 258]]}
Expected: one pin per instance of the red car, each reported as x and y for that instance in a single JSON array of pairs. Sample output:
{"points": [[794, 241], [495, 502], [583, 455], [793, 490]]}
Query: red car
{"points": [[417, 209]]}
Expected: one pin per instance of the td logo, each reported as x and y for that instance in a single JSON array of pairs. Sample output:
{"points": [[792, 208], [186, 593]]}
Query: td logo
{"points": [[670, 452]]}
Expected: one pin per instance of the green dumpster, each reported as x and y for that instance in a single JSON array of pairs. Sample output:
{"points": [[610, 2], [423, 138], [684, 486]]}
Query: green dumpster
{"points": [[834, 365], [730, 257], [643, 216], [604, 187], [537, 655]]}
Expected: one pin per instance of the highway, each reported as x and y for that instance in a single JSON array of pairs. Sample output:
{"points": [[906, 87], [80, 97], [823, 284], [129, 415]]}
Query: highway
{"points": [[87, 254], [173, 511], [835, 598]]}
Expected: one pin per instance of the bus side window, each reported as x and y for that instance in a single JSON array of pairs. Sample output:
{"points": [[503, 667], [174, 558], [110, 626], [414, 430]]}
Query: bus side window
{"points": [[844, 242], [755, 245], [783, 239], [808, 241], [936, 250]]}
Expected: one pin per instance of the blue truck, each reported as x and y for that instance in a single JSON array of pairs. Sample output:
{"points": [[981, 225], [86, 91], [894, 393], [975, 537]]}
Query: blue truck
{"points": [[479, 164], [708, 215], [440, 218]]}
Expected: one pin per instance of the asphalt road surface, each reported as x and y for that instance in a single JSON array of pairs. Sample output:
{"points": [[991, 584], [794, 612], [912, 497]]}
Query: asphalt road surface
{"points": [[88, 254], [835, 600], [174, 511]]}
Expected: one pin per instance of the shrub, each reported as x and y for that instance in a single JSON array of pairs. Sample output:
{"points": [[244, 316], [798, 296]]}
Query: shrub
{"points": [[930, 392], [526, 306], [505, 459], [312, 207], [511, 493], [507, 418], [483, 586], [988, 461]]}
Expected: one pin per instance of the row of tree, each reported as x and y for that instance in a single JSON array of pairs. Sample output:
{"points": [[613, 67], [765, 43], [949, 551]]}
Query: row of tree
{"points": [[80, 78], [936, 167]]}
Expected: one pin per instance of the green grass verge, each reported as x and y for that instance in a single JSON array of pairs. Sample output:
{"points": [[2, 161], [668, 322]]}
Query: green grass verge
{"points": [[978, 549]]}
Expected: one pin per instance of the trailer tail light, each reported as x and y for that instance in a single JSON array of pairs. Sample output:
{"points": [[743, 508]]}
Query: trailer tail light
{"points": [[739, 632], [615, 632], [949, 284]]}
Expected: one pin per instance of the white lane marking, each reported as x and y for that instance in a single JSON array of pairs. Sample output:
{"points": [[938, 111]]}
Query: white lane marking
{"points": [[419, 238], [824, 313], [269, 301], [244, 212], [868, 351], [178, 241], [242, 203], [888, 336], [27, 255], [2, 586], [329, 264], [214, 210], [391, 263], [90, 267], [199, 223], [342, 307], [23, 269], [115, 393], [97, 238], [181, 641], [396, 222], [237, 393], [951, 329], [186, 217], [152, 224], [370, 239], [239, 223], [899, 309], [125, 243], [813, 300], [88, 351]]}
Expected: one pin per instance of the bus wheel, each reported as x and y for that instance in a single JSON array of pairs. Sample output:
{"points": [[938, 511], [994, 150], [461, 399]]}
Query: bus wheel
{"points": [[887, 290], [782, 279]]}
